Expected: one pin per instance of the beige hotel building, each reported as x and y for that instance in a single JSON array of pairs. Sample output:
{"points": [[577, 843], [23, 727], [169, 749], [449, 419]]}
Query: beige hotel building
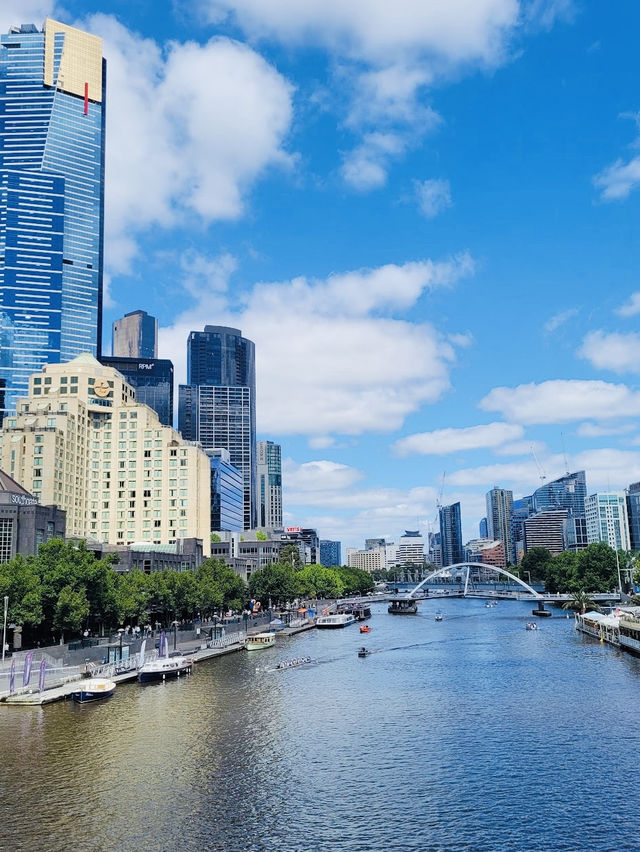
{"points": [[80, 440]]}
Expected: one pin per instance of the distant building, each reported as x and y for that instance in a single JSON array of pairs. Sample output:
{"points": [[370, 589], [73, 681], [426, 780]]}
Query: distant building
{"points": [[245, 553], [483, 528], [153, 380], [307, 541], [451, 535], [80, 441], [217, 406], [522, 509], [269, 472], [135, 336], [568, 492], [227, 489], [633, 514], [548, 530], [185, 554], [499, 512], [330, 553], [370, 543], [410, 550], [494, 554], [473, 549], [24, 523], [370, 560], [606, 514]]}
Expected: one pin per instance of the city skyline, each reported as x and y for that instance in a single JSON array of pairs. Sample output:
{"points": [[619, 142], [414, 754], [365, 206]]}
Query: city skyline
{"points": [[424, 223]]}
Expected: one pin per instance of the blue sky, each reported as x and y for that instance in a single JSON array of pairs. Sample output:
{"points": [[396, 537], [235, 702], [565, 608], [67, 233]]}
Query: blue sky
{"points": [[424, 213]]}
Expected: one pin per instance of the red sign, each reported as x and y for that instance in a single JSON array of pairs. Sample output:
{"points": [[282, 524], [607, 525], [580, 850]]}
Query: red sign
{"points": [[293, 529]]}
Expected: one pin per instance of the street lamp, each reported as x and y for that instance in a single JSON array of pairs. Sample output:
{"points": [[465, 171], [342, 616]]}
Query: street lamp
{"points": [[175, 634], [4, 626], [120, 632]]}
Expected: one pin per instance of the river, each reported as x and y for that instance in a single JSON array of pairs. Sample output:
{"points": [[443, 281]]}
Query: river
{"points": [[467, 734]]}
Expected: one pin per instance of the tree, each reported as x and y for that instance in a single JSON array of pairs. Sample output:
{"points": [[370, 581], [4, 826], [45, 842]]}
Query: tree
{"points": [[19, 581], [561, 573], [133, 594], [314, 581], [71, 611], [219, 587], [535, 562], [261, 536], [290, 554], [355, 580], [581, 602], [274, 582], [597, 568]]}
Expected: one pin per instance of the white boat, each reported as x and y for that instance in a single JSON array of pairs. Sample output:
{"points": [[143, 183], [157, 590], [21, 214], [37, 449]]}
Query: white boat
{"points": [[606, 628], [338, 619], [260, 641], [93, 689], [438, 616], [164, 667]]}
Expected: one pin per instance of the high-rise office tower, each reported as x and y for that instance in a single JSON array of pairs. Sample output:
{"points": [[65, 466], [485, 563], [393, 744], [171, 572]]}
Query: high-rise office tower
{"points": [[568, 492], [52, 119], [451, 535], [330, 553], [633, 513], [217, 406], [227, 493], [606, 515], [269, 485], [499, 511], [135, 336], [153, 380]]}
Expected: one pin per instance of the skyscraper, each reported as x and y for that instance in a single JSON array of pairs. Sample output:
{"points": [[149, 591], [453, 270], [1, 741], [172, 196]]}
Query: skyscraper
{"points": [[153, 380], [606, 515], [633, 513], [499, 511], [330, 553], [568, 492], [217, 406], [135, 336], [451, 535], [269, 485], [52, 119]]}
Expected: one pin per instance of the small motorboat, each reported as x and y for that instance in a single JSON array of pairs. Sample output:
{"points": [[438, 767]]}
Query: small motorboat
{"points": [[531, 625], [364, 652], [365, 629], [438, 616], [93, 689]]}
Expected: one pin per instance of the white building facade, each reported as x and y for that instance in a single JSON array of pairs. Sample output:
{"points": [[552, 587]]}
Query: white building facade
{"points": [[607, 519]]}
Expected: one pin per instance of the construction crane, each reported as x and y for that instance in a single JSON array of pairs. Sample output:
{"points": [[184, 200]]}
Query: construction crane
{"points": [[541, 472]]}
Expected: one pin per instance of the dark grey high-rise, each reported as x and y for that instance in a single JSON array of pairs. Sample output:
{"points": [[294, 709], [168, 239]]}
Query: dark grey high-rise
{"points": [[451, 535], [217, 406], [568, 492]]}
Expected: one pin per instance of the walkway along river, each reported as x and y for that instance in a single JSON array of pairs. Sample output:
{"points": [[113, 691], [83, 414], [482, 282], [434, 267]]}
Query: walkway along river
{"points": [[466, 734]]}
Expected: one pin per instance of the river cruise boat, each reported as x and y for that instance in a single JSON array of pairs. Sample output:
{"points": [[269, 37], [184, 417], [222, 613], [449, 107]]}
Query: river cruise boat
{"points": [[260, 641], [93, 689], [403, 606], [600, 626], [338, 619], [630, 631], [163, 668]]}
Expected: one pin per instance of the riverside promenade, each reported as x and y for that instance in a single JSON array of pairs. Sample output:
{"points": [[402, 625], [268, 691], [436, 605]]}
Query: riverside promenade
{"points": [[117, 657]]}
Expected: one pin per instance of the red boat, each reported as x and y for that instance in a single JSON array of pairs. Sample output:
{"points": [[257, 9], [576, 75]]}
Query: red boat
{"points": [[365, 629]]}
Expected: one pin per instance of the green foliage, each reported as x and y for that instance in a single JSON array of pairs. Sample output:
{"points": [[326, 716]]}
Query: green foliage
{"points": [[71, 610], [261, 536], [19, 580], [355, 580], [593, 569], [535, 561], [314, 581], [215, 538], [276, 582], [290, 554]]}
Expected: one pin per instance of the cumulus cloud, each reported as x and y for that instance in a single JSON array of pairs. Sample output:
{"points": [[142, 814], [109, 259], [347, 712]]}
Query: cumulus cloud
{"points": [[443, 441], [433, 196], [16, 12], [387, 56], [354, 368], [317, 476], [190, 128], [562, 400], [631, 308], [618, 180], [595, 430], [617, 352]]}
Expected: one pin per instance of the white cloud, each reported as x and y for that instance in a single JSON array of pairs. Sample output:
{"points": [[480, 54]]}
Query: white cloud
{"points": [[630, 308], [365, 167], [618, 180], [617, 352], [433, 196], [595, 430], [354, 370], [559, 319], [189, 129], [562, 400], [16, 12], [444, 441], [321, 442], [316, 476], [521, 448]]}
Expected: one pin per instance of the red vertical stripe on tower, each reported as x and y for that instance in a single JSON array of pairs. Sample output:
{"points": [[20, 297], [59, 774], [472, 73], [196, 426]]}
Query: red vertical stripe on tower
{"points": [[86, 99]]}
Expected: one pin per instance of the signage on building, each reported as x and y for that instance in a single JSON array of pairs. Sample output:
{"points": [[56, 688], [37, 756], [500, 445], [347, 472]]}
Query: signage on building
{"points": [[21, 500], [293, 529]]}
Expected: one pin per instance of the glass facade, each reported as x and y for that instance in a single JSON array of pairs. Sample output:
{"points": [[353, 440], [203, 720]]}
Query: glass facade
{"points": [[330, 553], [568, 492], [269, 485], [451, 535], [52, 98], [135, 336], [633, 512], [227, 496], [153, 380], [499, 515]]}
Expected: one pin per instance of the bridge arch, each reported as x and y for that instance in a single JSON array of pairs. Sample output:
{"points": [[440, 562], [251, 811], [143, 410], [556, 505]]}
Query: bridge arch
{"points": [[468, 566]]}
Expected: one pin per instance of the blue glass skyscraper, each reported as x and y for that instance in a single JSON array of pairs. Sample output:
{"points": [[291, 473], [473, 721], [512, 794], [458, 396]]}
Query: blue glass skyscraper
{"points": [[52, 119], [567, 492], [217, 406], [451, 535]]}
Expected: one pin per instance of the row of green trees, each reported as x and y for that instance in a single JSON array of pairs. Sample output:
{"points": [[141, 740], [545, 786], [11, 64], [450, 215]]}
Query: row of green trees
{"points": [[65, 590], [284, 581], [594, 569]]}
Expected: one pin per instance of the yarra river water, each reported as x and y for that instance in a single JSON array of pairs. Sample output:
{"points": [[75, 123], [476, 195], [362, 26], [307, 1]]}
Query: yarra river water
{"points": [[469, 734]]}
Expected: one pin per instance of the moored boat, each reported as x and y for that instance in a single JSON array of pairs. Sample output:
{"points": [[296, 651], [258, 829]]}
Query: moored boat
{"points": [[260, 641], [93, 689], [338, 619], [606, 628], [164, 667], [403, 606], [630, 633]]}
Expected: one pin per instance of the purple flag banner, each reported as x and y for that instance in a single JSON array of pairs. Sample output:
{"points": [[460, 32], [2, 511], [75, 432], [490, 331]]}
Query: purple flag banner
{"points": [[162, 645], [28, 662], [43, 670], [12, 677]]}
